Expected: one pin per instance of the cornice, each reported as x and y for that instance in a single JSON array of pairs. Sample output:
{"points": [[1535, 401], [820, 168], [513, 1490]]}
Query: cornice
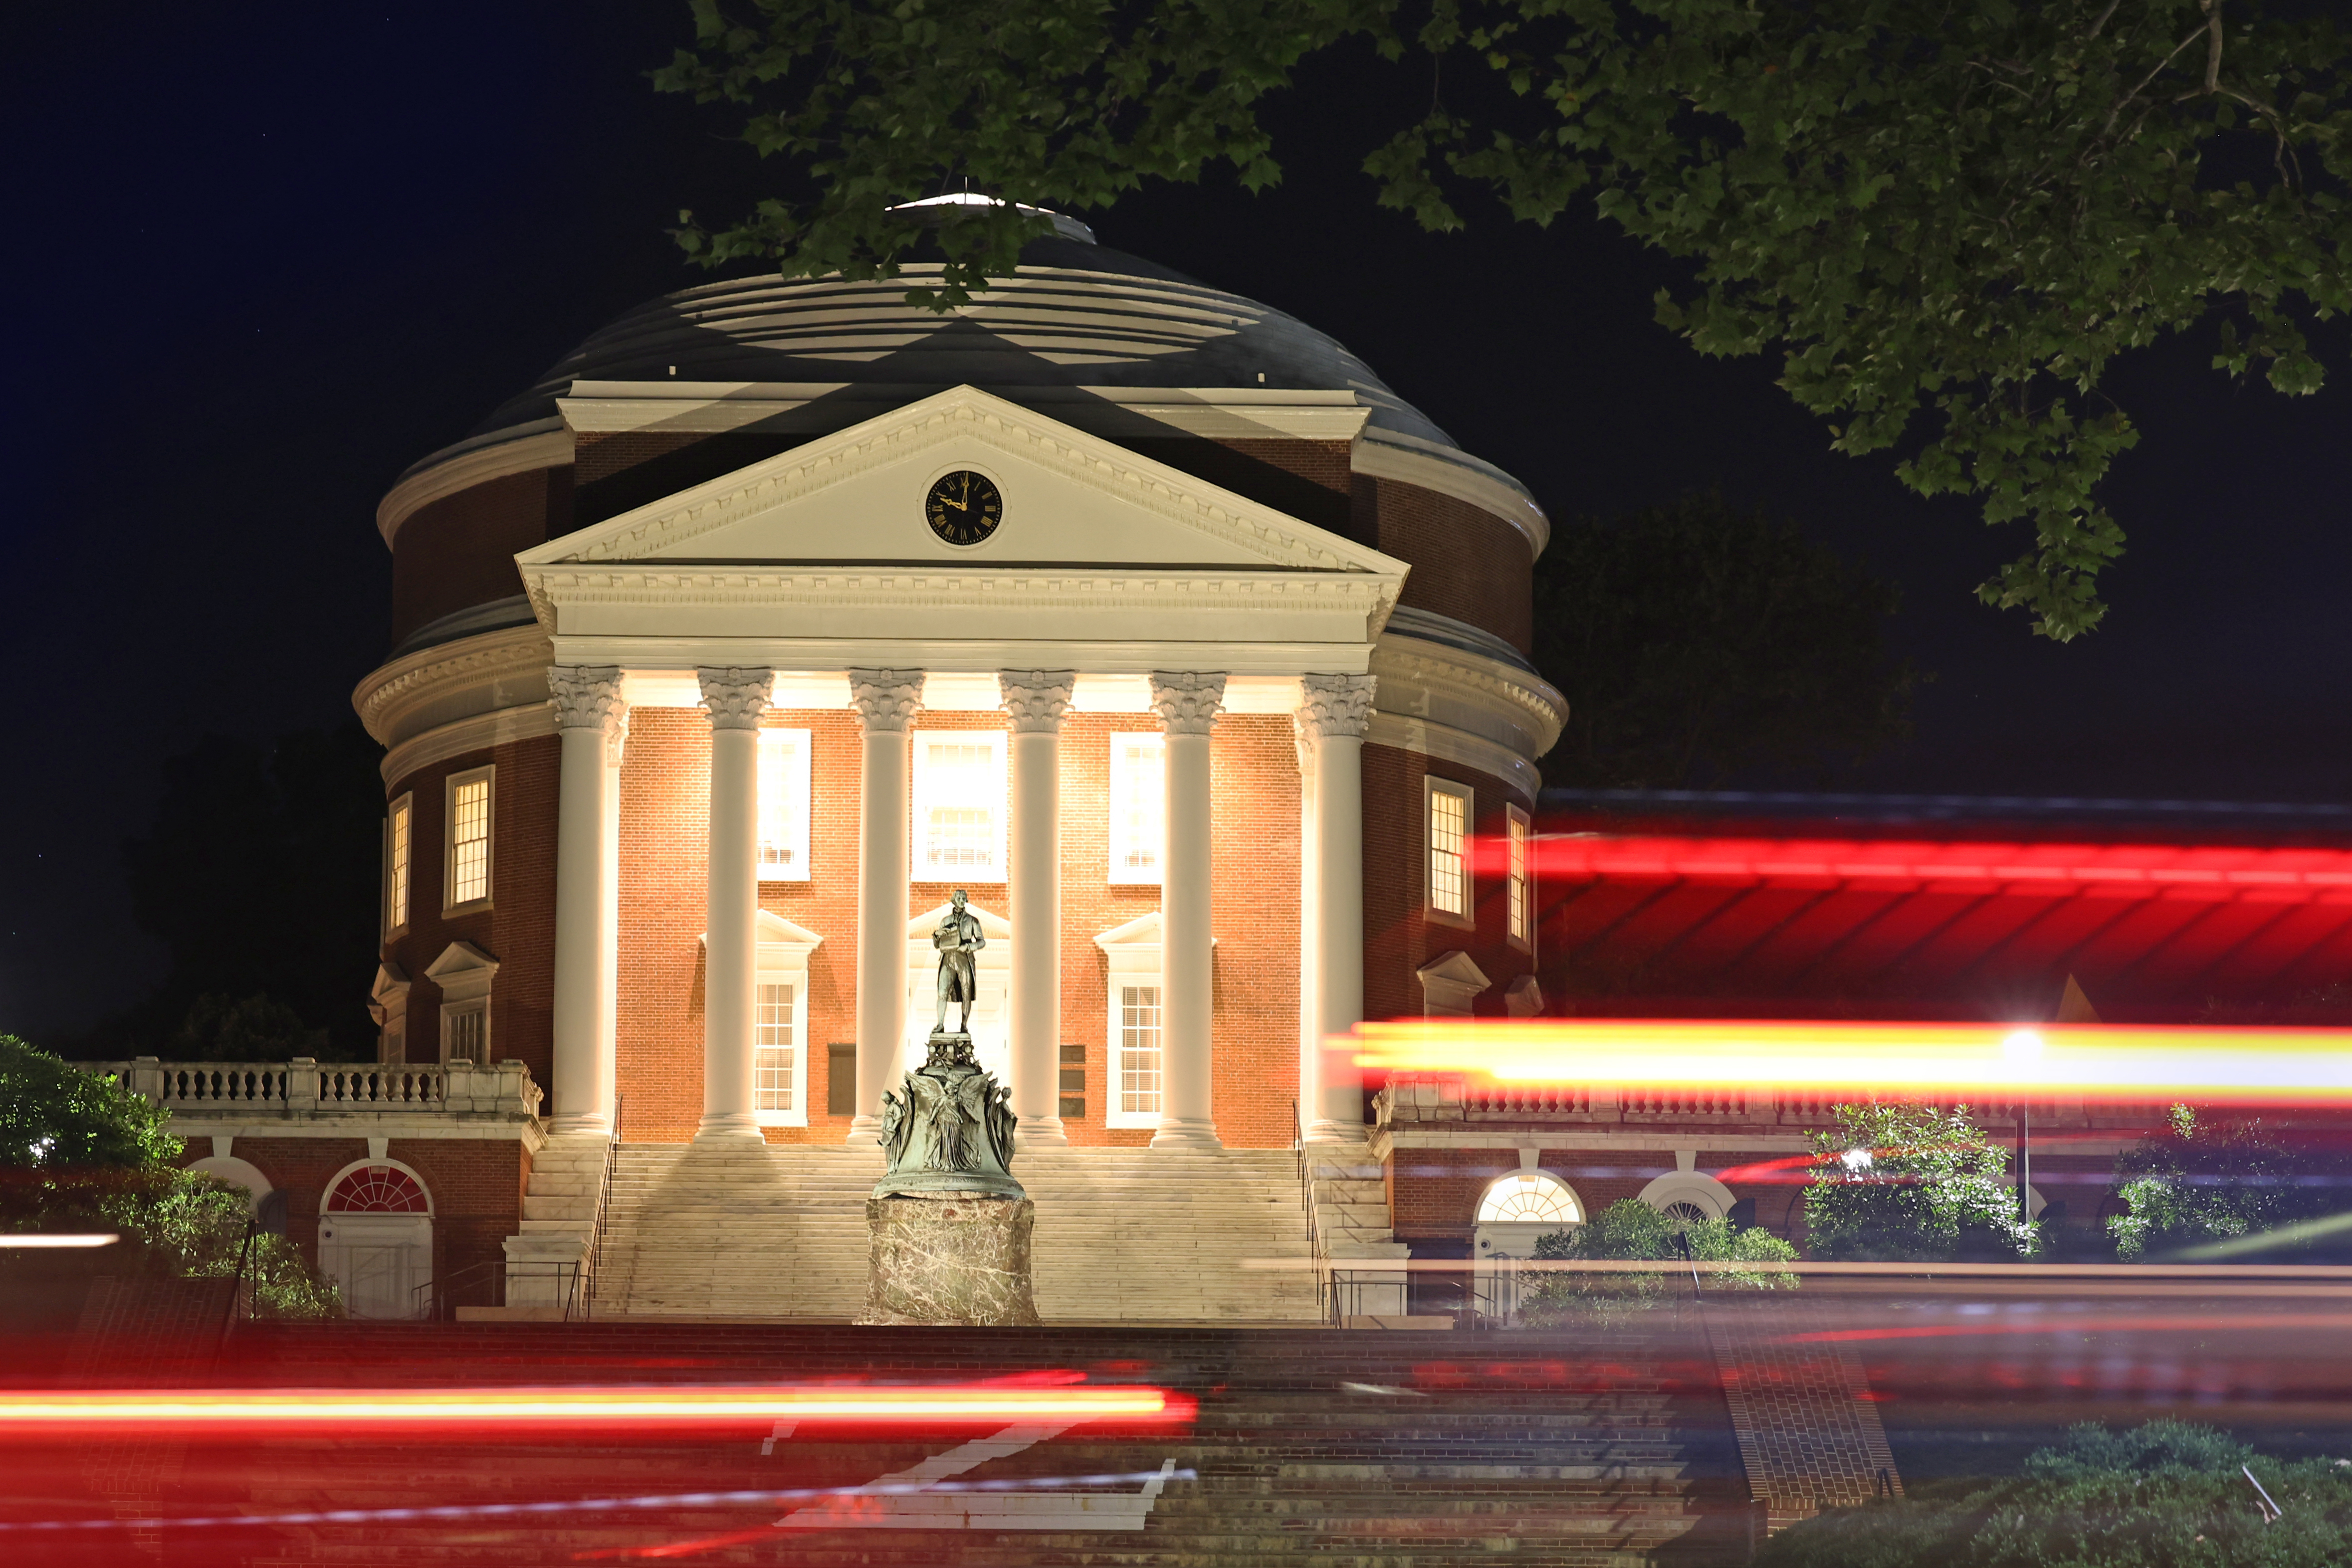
{"points": [[1431, 739], [544, 443], [1220, 414], [389, 696], [1096, 464], [1387, 454], [1470, 691], [460, 737]]}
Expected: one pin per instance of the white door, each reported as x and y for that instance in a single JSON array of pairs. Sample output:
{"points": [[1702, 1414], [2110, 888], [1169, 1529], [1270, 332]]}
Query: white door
{"points": [[378, 1261]]}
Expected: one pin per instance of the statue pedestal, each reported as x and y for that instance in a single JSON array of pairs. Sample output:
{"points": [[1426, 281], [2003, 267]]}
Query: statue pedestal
{"points": [[959, 1257]]}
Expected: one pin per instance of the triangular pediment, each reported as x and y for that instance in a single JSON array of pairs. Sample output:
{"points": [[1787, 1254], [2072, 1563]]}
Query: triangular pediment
{"points": [[1070, 499], [993, 926]]}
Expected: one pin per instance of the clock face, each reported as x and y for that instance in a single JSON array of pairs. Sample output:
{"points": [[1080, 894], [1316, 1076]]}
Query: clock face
{"points": [[963, 508]]}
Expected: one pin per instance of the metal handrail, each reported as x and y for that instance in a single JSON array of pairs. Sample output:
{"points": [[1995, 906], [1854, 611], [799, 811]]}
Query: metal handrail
{"points": [[1325, 1302], [435, 1306], [604, 1208]]}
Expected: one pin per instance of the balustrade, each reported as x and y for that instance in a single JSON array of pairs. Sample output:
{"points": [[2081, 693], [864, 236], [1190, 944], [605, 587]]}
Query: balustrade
{"points": [[304, 1088]]}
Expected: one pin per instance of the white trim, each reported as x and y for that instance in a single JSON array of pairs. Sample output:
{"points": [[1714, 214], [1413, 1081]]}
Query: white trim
{"points": [[1537, 1179], [465, 975], [1448, 471], [239, 1173], [1450, 984], [484, 732], [1220, 414], [1431, 786], [1482, 696], [1138, 760], [327, 1190], [488, 776], [920, 866], [1448, 745], [1518, 878], [411, 696], [785, 751], [1695, 1188], [543, 443], [1132, 953], [399, 862]]}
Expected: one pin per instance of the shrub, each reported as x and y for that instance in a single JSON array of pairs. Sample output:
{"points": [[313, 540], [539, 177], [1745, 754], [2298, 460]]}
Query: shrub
{"points": [[2198, 1181], [1630, 1229], [1909, 1183], [54, 1115], [2162, 1494]]}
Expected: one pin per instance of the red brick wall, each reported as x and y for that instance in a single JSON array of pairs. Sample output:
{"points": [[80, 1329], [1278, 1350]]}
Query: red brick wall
{"points": [[475, 1184], [1466, 562], [458, 551], [664, 814], [518, 929], [1397, 940]]}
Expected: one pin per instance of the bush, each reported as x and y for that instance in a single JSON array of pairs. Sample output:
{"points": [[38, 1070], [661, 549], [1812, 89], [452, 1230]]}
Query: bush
{"points": [[2201, 1182], [55, 1115], [2163, 1494], [1630, 1229], [1909, 1183]]}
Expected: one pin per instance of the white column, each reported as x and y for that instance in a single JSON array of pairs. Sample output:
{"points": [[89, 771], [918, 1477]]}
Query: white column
{"points": [[591, 716], [1188, 707], [1036, 699], [736, 698], [608, 979], [886, 701], [1336, 708], [1310, 1035]]}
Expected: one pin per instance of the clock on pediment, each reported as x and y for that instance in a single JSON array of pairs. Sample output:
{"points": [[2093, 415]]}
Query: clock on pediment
{"points": [[963, 508]]}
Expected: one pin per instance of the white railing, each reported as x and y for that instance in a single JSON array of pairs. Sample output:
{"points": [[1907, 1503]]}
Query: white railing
{"points": [[1518, 1099], [305, 1088], [1683, 1102]]}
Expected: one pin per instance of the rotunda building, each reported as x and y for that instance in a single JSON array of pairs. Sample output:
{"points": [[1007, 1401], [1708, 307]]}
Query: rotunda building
{"points": [[779, 610]]}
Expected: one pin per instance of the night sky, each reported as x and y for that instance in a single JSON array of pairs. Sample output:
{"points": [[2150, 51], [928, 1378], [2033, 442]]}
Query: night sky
{"points": [[262, 256]]}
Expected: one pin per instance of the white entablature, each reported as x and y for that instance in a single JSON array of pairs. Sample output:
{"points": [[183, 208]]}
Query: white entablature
{"points": [[819, 557]]}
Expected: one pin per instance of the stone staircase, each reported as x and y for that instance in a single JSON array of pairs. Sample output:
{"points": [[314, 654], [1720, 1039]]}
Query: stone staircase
{"points": [[1352, 1219], [745, 1230], [559, 1217]]}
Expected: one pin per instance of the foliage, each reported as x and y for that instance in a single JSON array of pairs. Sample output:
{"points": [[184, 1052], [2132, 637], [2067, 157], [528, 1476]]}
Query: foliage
{"points": [[2165, 1493], [2195, 1183], [1900, 1181], [1948, 220], [1630, 1229], [260, 875], [55, 1116], [1696, 645], [78, 1152]]}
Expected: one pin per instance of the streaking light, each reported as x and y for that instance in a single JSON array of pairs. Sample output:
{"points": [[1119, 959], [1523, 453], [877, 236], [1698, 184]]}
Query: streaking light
{"points": [[62, 1239], [2105, 1062], [317, 1408]]}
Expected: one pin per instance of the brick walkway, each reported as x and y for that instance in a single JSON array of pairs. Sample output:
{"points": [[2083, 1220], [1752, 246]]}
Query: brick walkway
{"points": [[1808, 1429]]}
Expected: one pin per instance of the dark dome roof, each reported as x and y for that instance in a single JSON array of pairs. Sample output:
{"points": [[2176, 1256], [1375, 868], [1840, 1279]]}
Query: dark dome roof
{"points": [[1077, 313]]}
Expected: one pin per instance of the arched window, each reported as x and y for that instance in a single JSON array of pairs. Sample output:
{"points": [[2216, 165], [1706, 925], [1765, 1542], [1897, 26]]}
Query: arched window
{"points": [[378, 1189], [1531, 1198]]}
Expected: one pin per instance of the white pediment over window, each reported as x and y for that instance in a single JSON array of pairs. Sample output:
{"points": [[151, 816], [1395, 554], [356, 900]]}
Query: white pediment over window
{"points": [[463, 971], [1450, 983], [993, 926], [782, 943]]}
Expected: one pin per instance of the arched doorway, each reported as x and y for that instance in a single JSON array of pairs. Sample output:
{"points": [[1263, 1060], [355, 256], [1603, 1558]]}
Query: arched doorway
{"points": [[375, 1239], [1514, 1213], [1687, 1197]]}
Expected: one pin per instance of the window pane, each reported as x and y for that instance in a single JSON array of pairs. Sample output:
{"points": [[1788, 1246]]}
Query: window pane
{"points": [[465, 1027], [1445, 829], [1138, 786], [1515, 833], [774, 1049], [783, 804], [470, 841], [395, 893], [1139, 1049], [960, 787]]}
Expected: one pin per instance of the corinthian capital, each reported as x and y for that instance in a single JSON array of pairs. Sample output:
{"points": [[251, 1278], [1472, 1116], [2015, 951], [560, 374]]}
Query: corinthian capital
{"points": [[1187, 703], [1036, 698], [1335, 704], [885, 700], [735, 695], [587, 697]]}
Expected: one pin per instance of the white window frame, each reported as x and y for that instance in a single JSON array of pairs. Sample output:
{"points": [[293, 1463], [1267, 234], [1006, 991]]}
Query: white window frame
{"points": [[1519, 878], [921, 869], [1431, 788], [467, 977], [1138, 756], [488, 778], [784, 769], [453, 1016], [1132, 951], [399, 862], [796, 1116]]}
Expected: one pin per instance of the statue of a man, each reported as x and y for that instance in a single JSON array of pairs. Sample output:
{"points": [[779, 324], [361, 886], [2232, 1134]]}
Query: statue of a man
{"points": [[957, 939]]}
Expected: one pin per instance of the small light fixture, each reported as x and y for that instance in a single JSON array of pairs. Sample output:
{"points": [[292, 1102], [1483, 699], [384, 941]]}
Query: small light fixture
{"points": [[1855, 1160]]}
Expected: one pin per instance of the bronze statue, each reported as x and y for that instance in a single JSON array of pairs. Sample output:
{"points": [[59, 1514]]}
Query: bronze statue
{"points": [[957, 939], [950, 1126]]}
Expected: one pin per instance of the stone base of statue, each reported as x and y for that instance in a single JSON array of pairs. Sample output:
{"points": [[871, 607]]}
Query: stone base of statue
{"points": [[955, 1258]]}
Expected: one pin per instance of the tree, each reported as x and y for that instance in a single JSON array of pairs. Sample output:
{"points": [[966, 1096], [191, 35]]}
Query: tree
{"points": [[1630, 1229], [1949, 221], [1908, 1182], [2199, 1181], [2165, 1492], [260, 875], [1696, 645], [55, 1116]]}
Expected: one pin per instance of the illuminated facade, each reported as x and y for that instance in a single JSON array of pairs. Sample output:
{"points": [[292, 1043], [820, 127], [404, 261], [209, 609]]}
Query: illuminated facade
{"points": [[779, 610]]}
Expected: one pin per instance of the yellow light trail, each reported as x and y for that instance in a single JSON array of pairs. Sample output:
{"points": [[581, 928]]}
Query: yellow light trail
{"points": [[2090, 1061], [328, 1407]]}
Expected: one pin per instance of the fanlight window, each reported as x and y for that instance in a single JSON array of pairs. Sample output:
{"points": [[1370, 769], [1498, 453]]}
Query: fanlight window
{"points": [[1529, 1198], [378, 1189]]}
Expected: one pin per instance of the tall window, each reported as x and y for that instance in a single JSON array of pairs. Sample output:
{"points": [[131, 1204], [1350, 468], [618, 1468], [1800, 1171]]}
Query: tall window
{"points": [[783, 805], [396, 830], [1136, 1067], [465, 1031], [1520, 886], [958, 806], [775, 1050], [1139, 782], [469, 839], [1450, 815]]}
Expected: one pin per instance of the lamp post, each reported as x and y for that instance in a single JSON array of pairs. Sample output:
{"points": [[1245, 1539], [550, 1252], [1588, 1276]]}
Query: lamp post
{"points": [[2024, 1049]]}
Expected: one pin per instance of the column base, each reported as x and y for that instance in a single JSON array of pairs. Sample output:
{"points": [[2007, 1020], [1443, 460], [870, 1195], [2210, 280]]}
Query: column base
{"points": [[1040, 1133], [1186, 1134], [727, 1126], [864, 1129], [1330, 1131], [581, 1124]]}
